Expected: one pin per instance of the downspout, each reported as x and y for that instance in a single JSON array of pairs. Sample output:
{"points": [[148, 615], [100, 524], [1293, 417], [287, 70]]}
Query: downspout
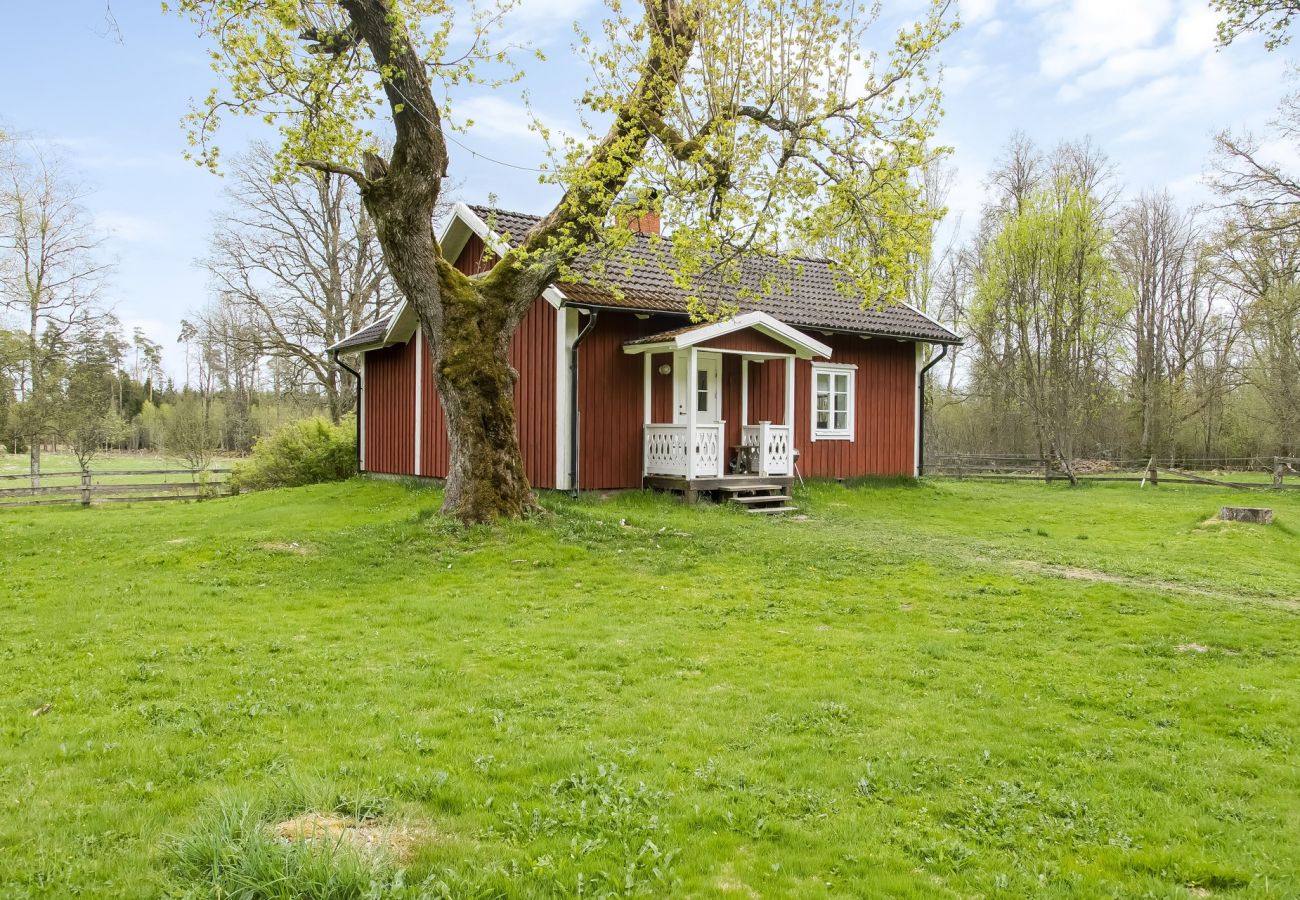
{"points": [[357, 375], [573, 403], [920, 405]]}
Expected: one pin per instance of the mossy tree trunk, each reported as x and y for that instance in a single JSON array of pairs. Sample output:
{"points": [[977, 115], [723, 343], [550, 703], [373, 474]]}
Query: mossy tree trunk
{"points": [[469, 321]]}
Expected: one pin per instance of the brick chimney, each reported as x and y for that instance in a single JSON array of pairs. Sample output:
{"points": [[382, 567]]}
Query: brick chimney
{"points": [[644, 222]]}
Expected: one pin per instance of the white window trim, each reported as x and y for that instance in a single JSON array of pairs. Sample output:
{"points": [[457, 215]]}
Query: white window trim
{"points": [[833, 434]]}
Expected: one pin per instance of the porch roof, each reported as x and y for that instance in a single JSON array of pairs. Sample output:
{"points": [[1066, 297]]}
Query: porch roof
{"points": [[800, 344]]}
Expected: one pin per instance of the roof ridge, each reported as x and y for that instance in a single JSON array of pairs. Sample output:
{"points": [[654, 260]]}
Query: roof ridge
{"points": [[667, 238]]}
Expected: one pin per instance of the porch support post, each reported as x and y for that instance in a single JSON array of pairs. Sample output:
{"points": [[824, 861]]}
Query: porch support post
{"points": [[645, 428], [646, 399], [789, 396], [692, 368]]}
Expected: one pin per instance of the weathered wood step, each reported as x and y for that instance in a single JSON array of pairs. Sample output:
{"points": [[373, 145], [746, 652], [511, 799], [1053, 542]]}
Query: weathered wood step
{"points": [[765, 510], [761, 498], [748, 488]]}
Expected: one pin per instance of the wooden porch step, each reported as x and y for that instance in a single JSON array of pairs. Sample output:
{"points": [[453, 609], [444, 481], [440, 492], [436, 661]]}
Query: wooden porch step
{"points": [[747, 488], [765, 510], [761, 498]]}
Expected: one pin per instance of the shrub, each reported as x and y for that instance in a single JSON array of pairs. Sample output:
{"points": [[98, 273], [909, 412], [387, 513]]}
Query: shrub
{"points": [[306, 452]]}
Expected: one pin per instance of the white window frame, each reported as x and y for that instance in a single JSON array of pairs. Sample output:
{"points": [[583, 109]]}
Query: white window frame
{"points": [[850, 372]]}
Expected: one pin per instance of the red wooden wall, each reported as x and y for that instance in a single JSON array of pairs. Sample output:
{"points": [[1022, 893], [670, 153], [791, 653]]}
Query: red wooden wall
{"points": [[390, 423], [611, 386], [611, 391], [389, 394], [884, 413]]}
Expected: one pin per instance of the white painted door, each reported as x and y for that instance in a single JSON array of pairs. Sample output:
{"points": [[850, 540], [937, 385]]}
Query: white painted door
{"points": [[706, 389]]}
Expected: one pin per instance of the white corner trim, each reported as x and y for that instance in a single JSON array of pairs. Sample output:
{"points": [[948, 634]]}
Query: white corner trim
{"points": [[419, 395], [361, 410], [565, 330]]}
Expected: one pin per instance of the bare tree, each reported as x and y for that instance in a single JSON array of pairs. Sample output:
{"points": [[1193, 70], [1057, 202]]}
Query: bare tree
{"points": [[52, 270], [1045, 298], [1261, 263], [297, 258], [1158, 255]]}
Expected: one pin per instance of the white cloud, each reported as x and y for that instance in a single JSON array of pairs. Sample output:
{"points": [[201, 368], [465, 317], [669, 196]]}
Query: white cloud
{"points": [[500, 125], [1188, 38], [496, 117], [1081, 34], [973, 11], [957, 77]]}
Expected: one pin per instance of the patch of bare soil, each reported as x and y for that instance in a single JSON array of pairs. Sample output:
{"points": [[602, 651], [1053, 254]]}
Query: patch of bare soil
{"points": [[1074, 572], [292, 547], [729, 883], [1191, 648], [369, 837]]}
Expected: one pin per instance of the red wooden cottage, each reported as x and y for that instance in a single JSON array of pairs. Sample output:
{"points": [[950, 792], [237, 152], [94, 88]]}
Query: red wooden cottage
{"points": [[619, 389]]}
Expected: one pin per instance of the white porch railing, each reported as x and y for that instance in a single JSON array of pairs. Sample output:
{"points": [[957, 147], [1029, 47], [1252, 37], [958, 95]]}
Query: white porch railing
{"points": [[772, 447], [665, 450]]}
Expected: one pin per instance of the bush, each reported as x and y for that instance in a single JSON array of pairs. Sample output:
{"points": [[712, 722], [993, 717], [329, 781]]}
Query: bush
{"points": [[306, 452]]}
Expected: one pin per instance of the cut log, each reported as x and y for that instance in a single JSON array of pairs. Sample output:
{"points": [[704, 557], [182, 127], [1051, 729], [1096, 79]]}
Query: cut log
{"points": [[1258, 515]]}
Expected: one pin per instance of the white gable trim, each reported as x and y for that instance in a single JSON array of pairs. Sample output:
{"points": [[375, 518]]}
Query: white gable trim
{"points": [[802, 344], [463, 215]]}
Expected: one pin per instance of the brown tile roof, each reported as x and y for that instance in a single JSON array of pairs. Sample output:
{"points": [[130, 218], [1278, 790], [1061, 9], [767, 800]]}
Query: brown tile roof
{"points": [[663, 336], [806, 296], [372, 333]]}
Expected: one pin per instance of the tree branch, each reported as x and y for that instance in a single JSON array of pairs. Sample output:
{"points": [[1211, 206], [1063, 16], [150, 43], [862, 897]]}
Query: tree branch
{"points": [[336, 169]]}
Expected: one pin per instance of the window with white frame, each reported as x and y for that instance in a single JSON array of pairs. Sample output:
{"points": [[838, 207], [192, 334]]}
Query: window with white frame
{"points": [[832, 402]]}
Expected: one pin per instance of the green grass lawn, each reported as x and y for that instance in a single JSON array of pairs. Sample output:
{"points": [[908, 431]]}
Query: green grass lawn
{"points": [[952, 689]]}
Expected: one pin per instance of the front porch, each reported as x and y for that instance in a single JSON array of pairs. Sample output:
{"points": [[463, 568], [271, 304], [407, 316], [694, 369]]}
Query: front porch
{"points": [[757, 493], [699, 450]]}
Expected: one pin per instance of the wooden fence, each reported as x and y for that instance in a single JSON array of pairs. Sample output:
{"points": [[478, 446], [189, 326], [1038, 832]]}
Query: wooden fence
{"points": [[1271, 472], [91, 488]]}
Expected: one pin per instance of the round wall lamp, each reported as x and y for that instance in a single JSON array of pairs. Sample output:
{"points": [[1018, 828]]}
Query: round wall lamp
{"points": [[665, 369]]}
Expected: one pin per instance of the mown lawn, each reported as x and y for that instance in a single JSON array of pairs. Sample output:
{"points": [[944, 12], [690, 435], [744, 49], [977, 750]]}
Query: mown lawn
{"points": [[951, 689]]}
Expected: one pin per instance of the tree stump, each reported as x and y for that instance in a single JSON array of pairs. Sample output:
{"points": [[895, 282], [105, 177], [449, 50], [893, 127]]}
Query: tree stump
{"points": [[1256, 515]]}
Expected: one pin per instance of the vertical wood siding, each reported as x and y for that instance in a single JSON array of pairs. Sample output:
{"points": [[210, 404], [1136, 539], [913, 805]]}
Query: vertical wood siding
{"points": [[532, 353], [611, 387], [390, 409], [749, 340], [390, 430], [884, 411], [767, 391], [661, 389], [611, 391]]}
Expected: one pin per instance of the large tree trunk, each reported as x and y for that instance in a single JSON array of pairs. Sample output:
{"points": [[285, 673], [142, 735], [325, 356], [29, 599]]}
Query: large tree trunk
{"points": [[471, 329], [476, 383]]}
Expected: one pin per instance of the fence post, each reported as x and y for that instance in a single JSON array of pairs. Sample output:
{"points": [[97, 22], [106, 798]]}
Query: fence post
{"points": [[85, 487], [1153, 474]]}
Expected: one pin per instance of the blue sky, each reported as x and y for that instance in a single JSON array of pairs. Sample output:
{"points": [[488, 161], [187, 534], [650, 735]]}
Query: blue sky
{"points": [[1141, 77]]}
